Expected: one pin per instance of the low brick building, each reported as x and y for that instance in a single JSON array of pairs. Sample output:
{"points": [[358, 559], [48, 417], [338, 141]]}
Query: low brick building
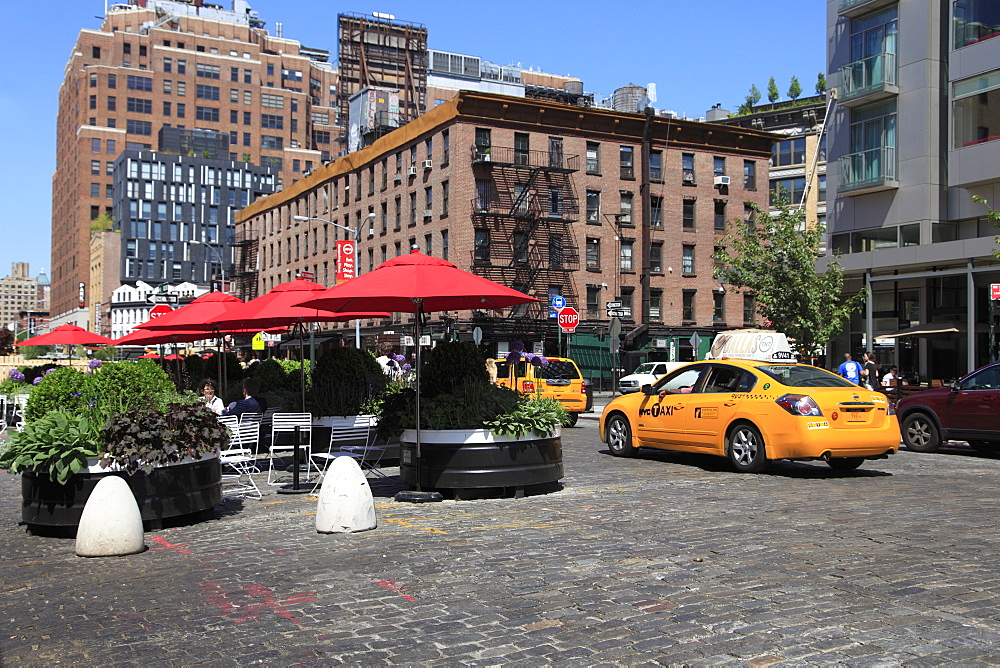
{"points": [[548, 198]]}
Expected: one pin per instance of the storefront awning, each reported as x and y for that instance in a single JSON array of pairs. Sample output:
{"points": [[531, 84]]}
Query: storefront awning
{"points": [[927, 330]]}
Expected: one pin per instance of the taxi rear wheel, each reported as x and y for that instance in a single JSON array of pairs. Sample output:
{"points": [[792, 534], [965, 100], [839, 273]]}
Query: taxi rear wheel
{"points": [[619, 436], [746, 449], [845, 463], [573, 417], [920, 433]]}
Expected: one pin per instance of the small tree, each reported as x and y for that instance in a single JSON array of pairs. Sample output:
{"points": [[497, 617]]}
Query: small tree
{"points": [[820, 83], [773, 259], [102, 223], [245, 157], [753, 97], [994, 216], [772, 91], [794, 89]]}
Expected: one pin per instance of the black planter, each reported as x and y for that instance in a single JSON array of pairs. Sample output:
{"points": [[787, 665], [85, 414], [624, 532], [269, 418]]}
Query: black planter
{"points": [[477, 460], [169, 491]]}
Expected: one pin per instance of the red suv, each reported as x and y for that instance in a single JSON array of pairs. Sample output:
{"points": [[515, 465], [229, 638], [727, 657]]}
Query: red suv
{"points": [[969, 410]]}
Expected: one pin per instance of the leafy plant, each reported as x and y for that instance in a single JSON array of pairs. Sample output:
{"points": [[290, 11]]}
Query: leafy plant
{"points": [[56, 444], [540, 417], [820, 83], [794, 88], [466, 406], [772, 91], [451, 363], [142, 438], [63, 389], [344, 380]]}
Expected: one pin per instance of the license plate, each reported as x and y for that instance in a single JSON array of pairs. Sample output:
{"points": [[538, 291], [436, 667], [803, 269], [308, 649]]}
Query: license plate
{"points": [[856, 416]]}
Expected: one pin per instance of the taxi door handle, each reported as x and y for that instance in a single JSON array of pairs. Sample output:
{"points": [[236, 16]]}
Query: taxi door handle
{"points": [[728, 403], [678, 406]]}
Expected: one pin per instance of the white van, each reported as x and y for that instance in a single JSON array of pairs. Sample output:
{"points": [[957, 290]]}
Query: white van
{"points": [[646, 374]]}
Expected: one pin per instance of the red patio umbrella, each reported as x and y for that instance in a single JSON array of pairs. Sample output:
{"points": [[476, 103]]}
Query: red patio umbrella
{"points": [[147, 337], [198, 315], [149, 356], [418, 283], [67, 335], [174, 356]]}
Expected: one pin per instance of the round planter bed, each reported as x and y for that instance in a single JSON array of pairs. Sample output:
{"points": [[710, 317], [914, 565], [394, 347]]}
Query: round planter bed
{"points": [[475, 461], [169, 491]]}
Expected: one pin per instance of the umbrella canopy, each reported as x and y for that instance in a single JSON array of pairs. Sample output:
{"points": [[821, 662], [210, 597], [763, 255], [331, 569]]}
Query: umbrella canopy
{"points": [[280, 307], [147, 337], [417, 282], [173, 356], [149, 356], [67, 335], [198, 315]]}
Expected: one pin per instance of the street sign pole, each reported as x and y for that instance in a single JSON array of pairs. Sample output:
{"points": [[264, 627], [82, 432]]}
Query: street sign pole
{"points": [[994, 296]]}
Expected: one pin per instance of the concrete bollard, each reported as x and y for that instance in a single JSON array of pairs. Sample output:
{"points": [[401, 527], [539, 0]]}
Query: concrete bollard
{"points": [[346, 504], [111, 524]]}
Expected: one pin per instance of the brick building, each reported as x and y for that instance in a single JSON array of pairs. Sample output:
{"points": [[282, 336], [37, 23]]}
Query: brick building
{"points": [[544, 197], [180, 64]]}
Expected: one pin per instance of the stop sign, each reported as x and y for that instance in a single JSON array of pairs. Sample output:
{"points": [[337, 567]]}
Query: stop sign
{"points": [[569, 318], [159, 309]]}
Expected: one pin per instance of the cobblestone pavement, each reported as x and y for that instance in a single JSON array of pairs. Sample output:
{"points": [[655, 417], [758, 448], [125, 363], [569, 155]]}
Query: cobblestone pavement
{"points": [[667, 558]]}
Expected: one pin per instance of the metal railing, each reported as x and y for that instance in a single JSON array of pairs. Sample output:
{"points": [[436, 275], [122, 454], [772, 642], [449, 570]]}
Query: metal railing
{"points": [[505, 155], [868, 75], [865, 169]]}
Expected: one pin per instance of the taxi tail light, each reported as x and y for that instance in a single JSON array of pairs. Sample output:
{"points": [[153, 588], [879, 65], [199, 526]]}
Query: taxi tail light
{"points": [[892, 407], [799, 404]]}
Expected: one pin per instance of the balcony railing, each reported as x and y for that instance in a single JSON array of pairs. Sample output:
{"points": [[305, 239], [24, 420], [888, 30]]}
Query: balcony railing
{"points": [[872, 76], [868, 171], [852, 8], [505, 155]]}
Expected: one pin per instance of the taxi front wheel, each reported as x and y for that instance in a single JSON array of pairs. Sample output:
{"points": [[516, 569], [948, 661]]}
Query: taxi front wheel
{"points": [[619, 436], [746, 449]]}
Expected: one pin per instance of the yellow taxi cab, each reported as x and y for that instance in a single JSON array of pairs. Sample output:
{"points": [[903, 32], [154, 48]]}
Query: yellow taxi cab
{"points": [[754, 404], [559, 379]]}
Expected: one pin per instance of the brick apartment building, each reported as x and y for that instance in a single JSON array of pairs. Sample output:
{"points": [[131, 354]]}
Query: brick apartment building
{"points": [[545, 197], [166, 63]]}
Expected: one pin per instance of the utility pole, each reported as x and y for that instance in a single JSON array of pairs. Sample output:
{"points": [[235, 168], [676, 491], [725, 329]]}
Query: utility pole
{"points": [[645, 232]]}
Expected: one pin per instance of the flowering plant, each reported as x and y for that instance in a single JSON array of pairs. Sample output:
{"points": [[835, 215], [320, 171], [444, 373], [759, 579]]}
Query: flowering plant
{"points": [[16, 375]]}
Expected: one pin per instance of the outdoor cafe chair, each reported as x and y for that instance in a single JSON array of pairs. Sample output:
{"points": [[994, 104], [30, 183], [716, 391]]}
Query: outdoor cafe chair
{"points": [[284, 427], [17, 416], [239, 461], [350, 439], [3, 414]]}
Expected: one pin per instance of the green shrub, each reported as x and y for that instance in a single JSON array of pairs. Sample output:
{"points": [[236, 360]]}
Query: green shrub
{"points": [[539, 416], [126, 385], [451, 363], [345, 380], [56, 445], [467, 406], [64, 389], [33, 372]]}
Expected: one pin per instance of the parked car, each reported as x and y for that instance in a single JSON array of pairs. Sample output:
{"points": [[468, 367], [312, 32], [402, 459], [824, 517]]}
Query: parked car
{"points": [[968, 410], [646, 374]]}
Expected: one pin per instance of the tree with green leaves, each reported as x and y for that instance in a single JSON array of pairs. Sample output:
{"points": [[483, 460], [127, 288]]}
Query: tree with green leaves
{"points": [[102, 223], [820, 83], [794, 89], [772, 91], [753, 96], [773, 259], [994, 216]]}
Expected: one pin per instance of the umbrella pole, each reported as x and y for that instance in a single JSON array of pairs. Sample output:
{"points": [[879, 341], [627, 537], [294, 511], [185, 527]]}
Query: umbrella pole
{"points": [[418, 495], [302, 364]]}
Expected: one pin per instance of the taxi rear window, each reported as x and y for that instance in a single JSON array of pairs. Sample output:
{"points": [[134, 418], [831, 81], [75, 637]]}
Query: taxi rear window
{"points": [[558, 370], [795, 375]]}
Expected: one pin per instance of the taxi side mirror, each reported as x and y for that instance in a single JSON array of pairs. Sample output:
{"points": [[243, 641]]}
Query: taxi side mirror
{"points": [[647, 390]]}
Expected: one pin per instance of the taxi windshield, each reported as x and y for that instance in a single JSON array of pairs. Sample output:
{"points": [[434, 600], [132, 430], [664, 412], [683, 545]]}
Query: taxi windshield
{"points": [[803, 375]]}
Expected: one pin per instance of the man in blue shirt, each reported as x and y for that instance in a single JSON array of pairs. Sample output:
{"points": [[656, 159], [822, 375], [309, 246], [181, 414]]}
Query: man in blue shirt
{"points": [[850, 369], [251, 402]]}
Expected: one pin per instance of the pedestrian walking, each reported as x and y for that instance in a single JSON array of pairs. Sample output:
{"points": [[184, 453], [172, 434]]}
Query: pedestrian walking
{"points": [[869, 373], [850, 369]]}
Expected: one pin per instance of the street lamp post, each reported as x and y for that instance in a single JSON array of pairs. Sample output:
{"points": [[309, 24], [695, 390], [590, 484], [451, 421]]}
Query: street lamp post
{"points": [[218, 255], [357, 261]]}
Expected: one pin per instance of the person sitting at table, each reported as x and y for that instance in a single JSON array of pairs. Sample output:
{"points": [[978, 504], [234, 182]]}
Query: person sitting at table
{"points": [[891, 374], [251, 402], [210, 395]]}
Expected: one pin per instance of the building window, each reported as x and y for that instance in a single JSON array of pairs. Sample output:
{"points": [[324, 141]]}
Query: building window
{"points": [[655, 211], [718, 307], [656, 305], [139, 83], [593, 254], [95, 189], [272, 121], [625, 256], [272, 101], [481, 251], [271, 142], [207, 114], [626, 299], [821, 189], [687, 259], [749, 175], [687, 306], [444, 244], [688, 214], [594, 207], [92, 103], [207, 92], [413, 209], [626, 163], [974, 109], [656, 258], [593, 157], [110, 144], [139, 105], [719, 166], [95, 167], [975, 21], [207, 71], [720, 215], [112, 81], [483, 140], [656, 165], [789, 152], [445, 147], [444, 198], [593, 302], [521, 148], [873, 145], [625, 209], [787, 190], [555, 251], [687, 168], [95, 145], [95, 52], [555, 202], [749, 309], [139, 127]]}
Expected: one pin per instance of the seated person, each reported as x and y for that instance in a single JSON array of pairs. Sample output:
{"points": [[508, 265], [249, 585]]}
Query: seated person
{"points": [[209, 394], [251, 402]]}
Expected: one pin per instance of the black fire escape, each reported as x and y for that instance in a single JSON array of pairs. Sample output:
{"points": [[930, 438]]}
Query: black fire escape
{"points": [[245, 260], [524, 206]]}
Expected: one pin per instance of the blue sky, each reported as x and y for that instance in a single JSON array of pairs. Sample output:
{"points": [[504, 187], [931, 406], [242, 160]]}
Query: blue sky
{"points": [[698, 54]]}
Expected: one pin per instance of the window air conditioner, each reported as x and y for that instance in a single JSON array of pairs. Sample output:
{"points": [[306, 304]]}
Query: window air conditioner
{"points": [[427, 164], [689, 178], [659, 343], [397, 177], [428, 213], [722, 180], [411, 171]]}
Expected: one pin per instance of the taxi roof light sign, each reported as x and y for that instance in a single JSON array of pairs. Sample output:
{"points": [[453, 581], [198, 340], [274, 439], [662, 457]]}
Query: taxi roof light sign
{"points": [[751, 344]]}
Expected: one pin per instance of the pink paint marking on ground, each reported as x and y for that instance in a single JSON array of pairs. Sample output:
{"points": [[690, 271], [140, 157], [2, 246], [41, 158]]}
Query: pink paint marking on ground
{"points": [[260, 599], [391, 586], [166, 545]]}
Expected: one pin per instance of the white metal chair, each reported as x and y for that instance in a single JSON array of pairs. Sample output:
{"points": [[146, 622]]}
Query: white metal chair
{"points": [[239, 461], [251, 417], [357, 440], [17, 416], [3, 414], [285, 428]]}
